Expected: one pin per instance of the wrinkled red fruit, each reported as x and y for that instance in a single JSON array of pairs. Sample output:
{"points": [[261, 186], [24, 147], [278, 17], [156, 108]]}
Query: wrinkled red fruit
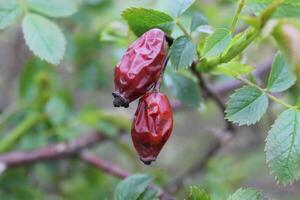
{"points": [[152, 125], [140, 67]]}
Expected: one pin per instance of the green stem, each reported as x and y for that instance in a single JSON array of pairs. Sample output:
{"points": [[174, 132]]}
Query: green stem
{"points": [[181, 27], [272, 97], [265, 16], [237, 14], [11, 111], [12, 138], [235, 50], [23, 5], [242, 44]]}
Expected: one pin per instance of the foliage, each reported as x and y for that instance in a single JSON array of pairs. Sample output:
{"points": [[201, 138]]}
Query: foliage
{"points": [[204, 47], [133, 187], [182, 52]]}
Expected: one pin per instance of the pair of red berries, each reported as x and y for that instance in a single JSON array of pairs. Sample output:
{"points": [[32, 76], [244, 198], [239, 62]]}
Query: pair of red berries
{"points": [[139, 70]]}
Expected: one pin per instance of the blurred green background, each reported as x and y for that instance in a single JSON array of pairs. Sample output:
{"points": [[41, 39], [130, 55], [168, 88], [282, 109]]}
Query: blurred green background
{"points": [[78, 91]]}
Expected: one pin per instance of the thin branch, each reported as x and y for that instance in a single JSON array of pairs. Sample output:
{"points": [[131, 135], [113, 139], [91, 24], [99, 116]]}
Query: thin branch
{"points": [[103, 165], [209, 93], [237, 14], [224, 88], [51, 152], [214, 148], [228, 133], [116, 171], [76, 147]]}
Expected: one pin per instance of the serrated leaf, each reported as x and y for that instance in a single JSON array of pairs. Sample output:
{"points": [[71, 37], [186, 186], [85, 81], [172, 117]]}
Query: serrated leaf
{"points": [[198, 20], [132, 187], [183, 88], [283, 147], [140, 20], [247, 194], [183, 52], [246, 106], [198, 194], [216, 43], [233, 69], [44, 38], [281, 77], [10, 10], [53, 8], [180, 6]]}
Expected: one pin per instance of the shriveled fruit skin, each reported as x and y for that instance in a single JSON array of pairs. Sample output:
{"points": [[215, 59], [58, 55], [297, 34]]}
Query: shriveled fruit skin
{"points": [[140, 67], [152, 125]]}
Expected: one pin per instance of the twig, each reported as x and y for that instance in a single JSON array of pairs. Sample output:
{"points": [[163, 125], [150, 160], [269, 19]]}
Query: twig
{"points": [[214, 148], [228, 133], [51, 152], [76, 147], [116, 171], [103, 165], [237, 14], [223, 88], [208, 93], [12, 138]]}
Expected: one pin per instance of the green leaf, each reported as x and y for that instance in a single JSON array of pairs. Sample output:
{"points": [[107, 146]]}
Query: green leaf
{"points": [[132, 187], [233, 69], [140, 20], [281, 77], [183, 52], [53, 8], [44, 38], [180, 6], [289, 8], [57, 110], [247, 194], [183, 88], [216, 43], [198, 20], [198, 194], [9, 12], [246, 106], [282, 147], [149, 194]]}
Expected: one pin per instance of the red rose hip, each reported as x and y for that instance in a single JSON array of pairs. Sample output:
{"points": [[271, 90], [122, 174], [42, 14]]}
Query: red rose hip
{"points": [[152, 125], [140, 67]]}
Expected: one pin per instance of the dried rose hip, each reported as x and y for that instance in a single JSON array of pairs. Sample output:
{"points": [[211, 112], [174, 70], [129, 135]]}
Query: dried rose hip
{"points": [[152, 125], [140, 67]]}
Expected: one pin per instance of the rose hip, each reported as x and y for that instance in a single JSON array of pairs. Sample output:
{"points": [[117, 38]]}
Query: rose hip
{"points": [[140, 67], [152, 125]]}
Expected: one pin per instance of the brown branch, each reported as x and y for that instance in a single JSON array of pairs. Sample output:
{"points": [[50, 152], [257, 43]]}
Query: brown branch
{"points": [[51, 152], [214, 148], [209, 93], [76, 147], [103, 165], [228, 133], [222, 89], [116, 171]]}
